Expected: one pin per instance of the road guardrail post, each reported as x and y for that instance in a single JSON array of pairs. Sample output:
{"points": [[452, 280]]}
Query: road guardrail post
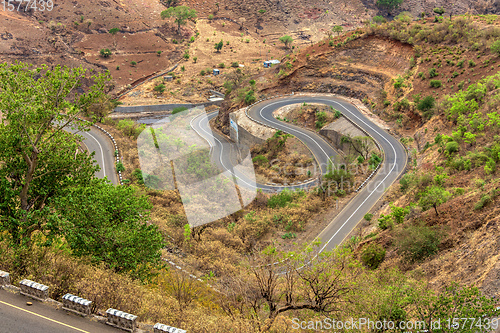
{"points": [[4, 278], [76, 304], [160, 328], [122, 320], [34, 290]]}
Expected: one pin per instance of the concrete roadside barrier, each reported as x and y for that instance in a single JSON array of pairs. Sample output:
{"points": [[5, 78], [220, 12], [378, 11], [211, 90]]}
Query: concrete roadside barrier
{"points": [[4, 278], [160, 328], [34, 290], [122, 320], [76, 304]]}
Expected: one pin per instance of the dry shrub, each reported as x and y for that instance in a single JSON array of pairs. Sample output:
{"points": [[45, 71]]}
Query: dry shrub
{"points": [[213, 256]]}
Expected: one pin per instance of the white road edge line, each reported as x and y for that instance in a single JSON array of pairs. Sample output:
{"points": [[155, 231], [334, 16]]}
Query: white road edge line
{"points": [[102, 153]]}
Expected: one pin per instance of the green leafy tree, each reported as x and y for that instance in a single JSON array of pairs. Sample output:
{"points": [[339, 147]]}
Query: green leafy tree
{"points": [[181, 14], [426, 103], [451, 304], [287, 40], [389, 4], [109, 224], [433, 196], [250, 97], [113, 31], [338, 29], [39, 160], [399, 213], [219, 45]]}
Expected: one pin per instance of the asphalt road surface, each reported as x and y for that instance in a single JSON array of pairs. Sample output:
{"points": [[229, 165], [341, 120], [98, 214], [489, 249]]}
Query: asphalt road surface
{"points": [[98, 142], [224, 153], [17, 317]]}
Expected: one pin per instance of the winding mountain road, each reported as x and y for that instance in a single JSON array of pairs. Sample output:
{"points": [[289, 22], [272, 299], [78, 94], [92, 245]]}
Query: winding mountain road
{"points": [[394, 163], [224, 153], [96, 141]]}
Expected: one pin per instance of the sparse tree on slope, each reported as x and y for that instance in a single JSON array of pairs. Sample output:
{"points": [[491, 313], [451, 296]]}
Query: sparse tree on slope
{"points": [[181, 14], [338, 29], [433, 196], [219, 45], [287, 40]]}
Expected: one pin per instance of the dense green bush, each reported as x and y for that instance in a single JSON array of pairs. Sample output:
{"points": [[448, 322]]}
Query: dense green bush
{"points": [[130, 127], [250, 97], [159, 88], [452, 147], [105, 53], [137, 173], [435, 83], [404, 104], [385, 221], [260, 160], [485, 199], [373, 255], [374, 160], [417, 242], [432, 73], [398, 82], [281, 199], [425, 105], [179, 109], [406, 181], [120, 167]]}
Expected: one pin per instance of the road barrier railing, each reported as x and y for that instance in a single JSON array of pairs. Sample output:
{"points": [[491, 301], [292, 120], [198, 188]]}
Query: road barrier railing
{"points": [[160, 328], [116, 150], [121, 320], [4, 278], [34, 290], [80, 306], [76, 304]]}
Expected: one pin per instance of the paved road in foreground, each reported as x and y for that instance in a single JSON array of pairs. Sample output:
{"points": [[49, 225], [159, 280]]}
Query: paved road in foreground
{"points": [[17, 317]]}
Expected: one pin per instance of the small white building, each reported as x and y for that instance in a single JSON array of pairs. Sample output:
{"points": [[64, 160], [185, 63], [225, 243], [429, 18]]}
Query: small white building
{"points": [[270, 63]]}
